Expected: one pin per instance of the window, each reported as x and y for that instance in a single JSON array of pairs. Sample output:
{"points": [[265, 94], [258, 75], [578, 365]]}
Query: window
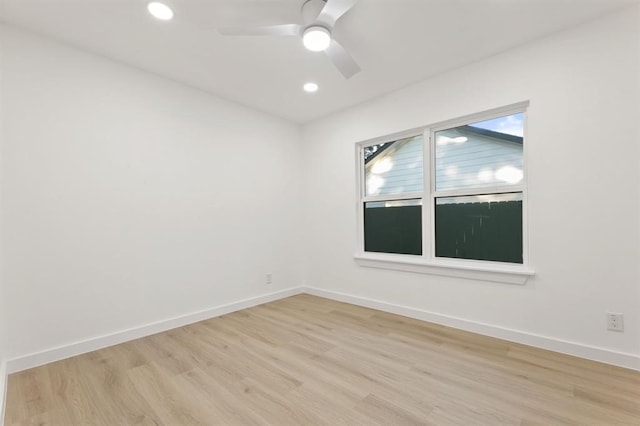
{"points": [[393, 178], [451, 194]]}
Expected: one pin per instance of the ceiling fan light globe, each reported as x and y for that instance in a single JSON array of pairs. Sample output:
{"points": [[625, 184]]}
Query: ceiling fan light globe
{"points": [[316, 38]]}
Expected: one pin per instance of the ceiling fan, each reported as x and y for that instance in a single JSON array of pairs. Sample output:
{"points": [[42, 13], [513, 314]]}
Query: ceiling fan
{"points": [[319, 18]]}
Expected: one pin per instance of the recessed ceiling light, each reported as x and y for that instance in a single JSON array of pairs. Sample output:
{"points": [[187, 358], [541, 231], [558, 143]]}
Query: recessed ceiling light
{"points": [[310, 87], [316, 38], [160, 10]]}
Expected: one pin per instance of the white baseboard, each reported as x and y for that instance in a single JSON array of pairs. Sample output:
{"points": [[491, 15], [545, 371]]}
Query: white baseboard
{"points": [[76, 348], [563, 346], [3, 389]]}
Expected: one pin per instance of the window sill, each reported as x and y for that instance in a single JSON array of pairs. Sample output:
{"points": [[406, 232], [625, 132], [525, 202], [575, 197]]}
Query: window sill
{"points": [[467, 269]]}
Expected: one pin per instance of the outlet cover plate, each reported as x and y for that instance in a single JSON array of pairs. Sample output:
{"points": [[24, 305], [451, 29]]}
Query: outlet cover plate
{"points": [[615, 322]]}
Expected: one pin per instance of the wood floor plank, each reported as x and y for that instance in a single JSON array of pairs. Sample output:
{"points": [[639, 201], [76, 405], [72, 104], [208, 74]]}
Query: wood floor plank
{"points": [[169, 404], [306, 360]]}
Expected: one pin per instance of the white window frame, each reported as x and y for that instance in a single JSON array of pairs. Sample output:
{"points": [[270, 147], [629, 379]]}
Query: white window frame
{"points": [[428, 263]]}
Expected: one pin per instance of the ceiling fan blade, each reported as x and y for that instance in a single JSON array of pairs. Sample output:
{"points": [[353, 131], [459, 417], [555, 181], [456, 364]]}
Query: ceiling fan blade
{"points": [[333, 10], [342, 59], [275, 30]]}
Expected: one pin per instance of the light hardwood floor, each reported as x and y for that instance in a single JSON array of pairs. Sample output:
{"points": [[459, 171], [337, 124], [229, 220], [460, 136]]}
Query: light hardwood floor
{"points": [[308, 360]]}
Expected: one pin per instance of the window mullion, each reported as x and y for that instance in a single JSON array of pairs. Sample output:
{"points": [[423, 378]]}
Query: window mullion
{"points": [[428, 237], [392, 197], [478, 191]]}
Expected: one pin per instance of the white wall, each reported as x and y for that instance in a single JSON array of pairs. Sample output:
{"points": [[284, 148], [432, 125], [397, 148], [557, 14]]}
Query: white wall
{"points": [[130, 199], [584, 89]]}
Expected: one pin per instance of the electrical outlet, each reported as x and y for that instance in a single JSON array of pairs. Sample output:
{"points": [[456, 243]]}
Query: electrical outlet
{"points": [[615, 322], [268, 278]]}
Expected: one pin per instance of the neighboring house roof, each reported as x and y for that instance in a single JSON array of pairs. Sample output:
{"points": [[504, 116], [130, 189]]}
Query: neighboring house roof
{"points": [[373, 151], [492, 134]]}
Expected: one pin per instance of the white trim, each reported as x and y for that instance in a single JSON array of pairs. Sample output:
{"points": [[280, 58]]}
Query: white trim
{"points": [[581, 350], [428, 222], [360, 193], [76, 348], [470, 192], [621, 359], [458, 268], [526, 245], [3, 389], [393, 197]]}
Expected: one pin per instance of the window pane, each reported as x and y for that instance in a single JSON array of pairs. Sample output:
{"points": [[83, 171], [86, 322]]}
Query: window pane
{"points": [[480, 155], [394, 167], [393, 227], [481, 227]]}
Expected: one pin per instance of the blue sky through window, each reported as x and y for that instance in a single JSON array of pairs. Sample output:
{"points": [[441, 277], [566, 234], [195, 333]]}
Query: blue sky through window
{"points": [[509, 124]]}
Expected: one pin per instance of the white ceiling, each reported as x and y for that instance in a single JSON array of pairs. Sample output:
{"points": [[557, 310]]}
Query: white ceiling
{"points": [[396, 42]]}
